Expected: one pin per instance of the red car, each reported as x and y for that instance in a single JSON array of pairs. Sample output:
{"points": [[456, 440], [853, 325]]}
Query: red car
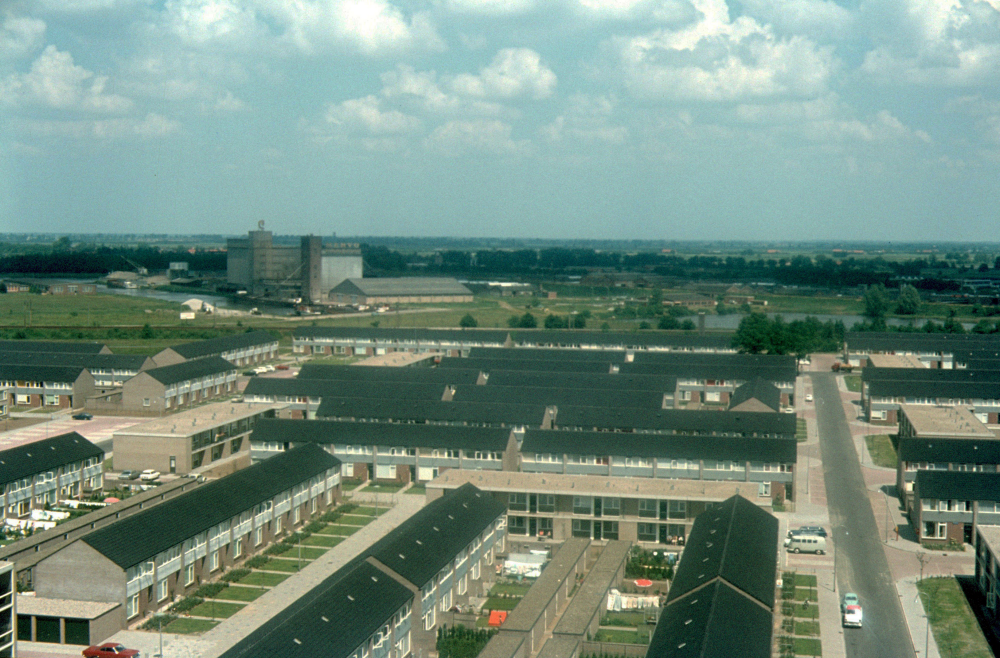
{"points": [[109, 650]]}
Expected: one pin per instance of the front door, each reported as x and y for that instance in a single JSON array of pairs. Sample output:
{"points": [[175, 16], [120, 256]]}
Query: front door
{"points": [[532, 526], [173, 464], [597, 530], [597, 507], [663, 533], [532, 503]]}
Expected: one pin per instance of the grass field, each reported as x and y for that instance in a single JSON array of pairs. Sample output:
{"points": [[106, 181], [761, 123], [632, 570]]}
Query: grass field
{"points": [[237, 593], [626, 637], [339, 530], [955, 628], [634, 619], [510, 589], [801, 430], [186, 626], [369, 511], [805, 580], [496, 603], [262, 579], [383, 488], [881, 450], [806, 646], [308, 552], [853, 383], [329, 541], [289, 565], [216, 609], [416, 490], [807, 628], [349, 519]]}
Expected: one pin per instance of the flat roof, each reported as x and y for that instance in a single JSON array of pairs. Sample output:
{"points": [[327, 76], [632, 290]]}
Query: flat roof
{"points": [[560, 646], [991, 535], [945, 422], [65, 608], [525, 615], [396, 359], [503, 645], [895, 361], [594, 485], [199, 419], [591, 595]]}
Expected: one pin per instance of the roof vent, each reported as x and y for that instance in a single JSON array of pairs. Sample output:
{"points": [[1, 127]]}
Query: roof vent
{"points": [[297, 641], [350, 598], [323, 617]]}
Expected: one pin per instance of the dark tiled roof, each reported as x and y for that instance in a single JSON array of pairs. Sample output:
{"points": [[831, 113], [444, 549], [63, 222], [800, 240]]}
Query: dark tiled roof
{"points": [[582, 380], [676, 446], [45, 455], [381, 373], [35, 373], [723, 371], [677, 420], [931, 389], [143, 535], [381, 434], [432, 537], [758, 389], [321, 388], [956, 451], [949, 375], [216, 346], [736, 542], [80, 360], [494, 364], [715, 622], [546, 354], [332, 619], [614, 397], [194, 369], [958, 485], [51, 346], [860, 341], [429, 410]]}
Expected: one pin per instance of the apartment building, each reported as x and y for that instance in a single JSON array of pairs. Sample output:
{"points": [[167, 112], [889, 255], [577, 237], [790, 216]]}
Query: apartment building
{"points": [[988, 569], [37, 474], [241, 350], [53, 386], [172, 387], [948, 506]]}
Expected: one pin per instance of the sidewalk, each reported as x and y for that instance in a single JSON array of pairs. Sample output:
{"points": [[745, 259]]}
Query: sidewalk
{"points": [[915, 618]]}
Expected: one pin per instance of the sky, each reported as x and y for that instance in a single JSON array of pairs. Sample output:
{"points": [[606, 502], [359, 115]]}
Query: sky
{"points": [[583, 119]]}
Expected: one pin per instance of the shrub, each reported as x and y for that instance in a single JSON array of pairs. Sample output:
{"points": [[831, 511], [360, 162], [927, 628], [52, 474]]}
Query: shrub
{"points": [[315, 526], [461, 642], [347, 508], [235, 574], [210, 590], [256, 562], [187, 603], [157, 621], [278, 549]]}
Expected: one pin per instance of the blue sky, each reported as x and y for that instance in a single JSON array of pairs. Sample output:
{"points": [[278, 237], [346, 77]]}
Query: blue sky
{"points": [[661, 119]]}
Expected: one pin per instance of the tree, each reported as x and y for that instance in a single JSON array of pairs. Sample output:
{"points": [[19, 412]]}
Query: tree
{"points": [[147, 332], [556, 322], [467, 321], [876, 302], [668, 322], [687, 325], [753, 335], [580, 320], [909, 301], [527, 321], [644, 325]]}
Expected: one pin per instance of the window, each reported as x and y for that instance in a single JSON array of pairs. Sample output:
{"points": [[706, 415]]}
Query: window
{"points": [[145, 402], [517, 502], [517, 525], [215, 560], [189, 574], [646, 531], [429, 620], [463, 584], [298, 514], [545, 528], [445, 600], [132, 607], [163, 589], [475, 570], [647, 508], [546, 503], [610, 530], [611, 506], [258, 536], [238, 547], [277, 525], [677, 509], [582, 505], [764, 490], [581, 528]]}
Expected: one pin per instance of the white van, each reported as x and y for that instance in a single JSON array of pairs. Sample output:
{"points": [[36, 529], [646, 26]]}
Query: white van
{"points": [[807, 544]]}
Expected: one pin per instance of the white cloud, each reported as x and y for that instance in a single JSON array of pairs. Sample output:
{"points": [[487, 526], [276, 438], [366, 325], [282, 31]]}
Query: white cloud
{"points": [[151, 126], [513, 72], [20, 37], [54, 81], [819, 19], [586, 119], [488, 7], [224, 103], [456, 138], [366, 115]]}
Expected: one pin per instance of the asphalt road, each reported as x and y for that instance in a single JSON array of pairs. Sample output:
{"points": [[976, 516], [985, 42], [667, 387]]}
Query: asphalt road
{"points": [[861, 564]]}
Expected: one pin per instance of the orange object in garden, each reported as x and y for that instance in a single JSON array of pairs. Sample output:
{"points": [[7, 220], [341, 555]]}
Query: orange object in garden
{"points": [[497, 617]]}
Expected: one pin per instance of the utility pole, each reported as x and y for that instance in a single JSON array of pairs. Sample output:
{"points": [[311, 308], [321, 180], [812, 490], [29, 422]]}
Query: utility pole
{"points": [[923, 559]]}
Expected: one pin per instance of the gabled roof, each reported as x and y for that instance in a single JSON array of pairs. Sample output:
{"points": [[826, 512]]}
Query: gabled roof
{"points": [[81, 347], [194, 369], [715, 622], [143, 535], [404, 286], [321, 388], [332, 619], [665, 383], [893, 341], [36, 373], [958, 485], [736, 542], [430, 410], [216, 346], [546, 354], [494, 364], [359, 373], [45, 455], [950, 375], [432, 537], [677, 420], [760, 390], [934, 389], [413, 435], [80, 360], [955, 451], [670, 446], [616, 397]]}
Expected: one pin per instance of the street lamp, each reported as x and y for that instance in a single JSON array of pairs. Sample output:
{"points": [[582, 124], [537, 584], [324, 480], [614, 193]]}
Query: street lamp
{"points": [[886, 496]]}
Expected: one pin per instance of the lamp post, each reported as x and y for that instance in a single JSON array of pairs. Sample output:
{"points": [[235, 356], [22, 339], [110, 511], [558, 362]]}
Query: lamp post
{"points": [[886, 496]]}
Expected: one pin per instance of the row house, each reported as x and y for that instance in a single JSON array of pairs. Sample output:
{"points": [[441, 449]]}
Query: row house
{"points": [[883, 399], [145, 561], [936, 351], [108, 370], [37, 474], [988, 570], [57, 387], [948, 506], [242, 350], [942, 439], [167, 388], [390, 601], [545, 507], [58, 346]]}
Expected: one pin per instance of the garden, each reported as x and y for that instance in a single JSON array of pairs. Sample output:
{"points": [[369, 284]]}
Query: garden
{"points": [[799, 635]]}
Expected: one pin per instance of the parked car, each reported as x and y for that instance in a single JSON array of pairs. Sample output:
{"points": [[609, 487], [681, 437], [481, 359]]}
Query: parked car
{"points": [[809, 397], [806, 544], [83, 416], [808, 530], [109, 650], [281, 367], [128, 474], [851, 609], [149, 475]]}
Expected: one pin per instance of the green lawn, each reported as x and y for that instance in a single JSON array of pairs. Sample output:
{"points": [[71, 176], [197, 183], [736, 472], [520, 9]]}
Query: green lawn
{"points": [[416, 490], [881, 450], [807, 628], [805, 594], [237, 593], [307, 552], [350, 486], [185, 625], [329, 541], [216, 609], [384, 488], [368, 510], [627, 637], [496, 603], [634, 619], [805, 580], [261, 579], [511, 589], [801, 432], [955, 628], [805, 646], [853, 383], [810, 611], [340, 530], [349, 519], [290, 565]]}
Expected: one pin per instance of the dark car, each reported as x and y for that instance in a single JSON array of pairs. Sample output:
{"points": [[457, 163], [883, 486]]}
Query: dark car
{"points": [[83, 416], [128, 475], [109, 650]]}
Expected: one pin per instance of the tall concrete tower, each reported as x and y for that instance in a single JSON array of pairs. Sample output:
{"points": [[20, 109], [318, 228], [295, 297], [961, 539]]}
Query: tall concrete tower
{"points": [[312, 269]]}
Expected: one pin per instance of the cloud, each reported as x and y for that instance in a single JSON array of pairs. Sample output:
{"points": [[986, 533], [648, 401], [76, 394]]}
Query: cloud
{"points": [[20, 37], [718, 59], [818, 19], [54, 81], [513, 72], [488, 7], [586, 119], [365, 115], [151, 126], [456, 138]]}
